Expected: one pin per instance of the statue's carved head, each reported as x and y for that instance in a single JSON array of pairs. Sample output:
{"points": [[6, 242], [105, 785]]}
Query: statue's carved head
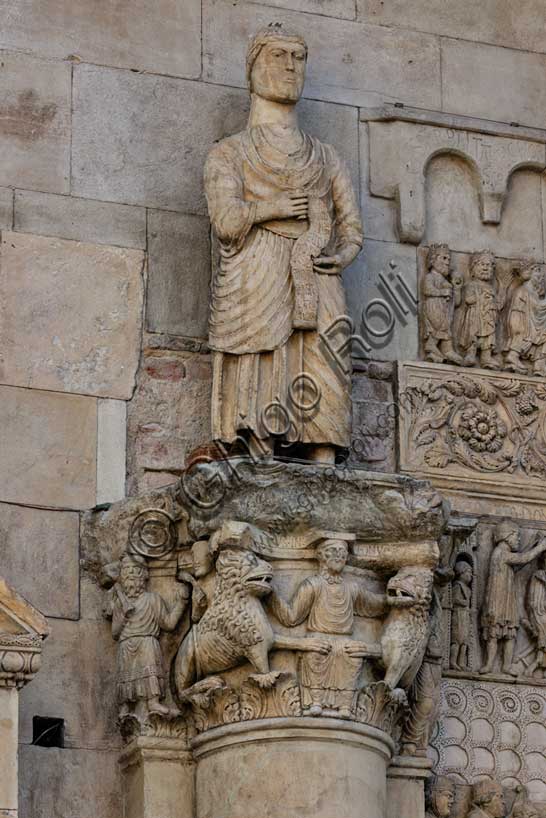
{"points": [[275, 64], [482, 265], [411, 586], [332, 555], [440, 796], [439, 258], [133, 575], [507, 531], [489, 796], [244, 571]]}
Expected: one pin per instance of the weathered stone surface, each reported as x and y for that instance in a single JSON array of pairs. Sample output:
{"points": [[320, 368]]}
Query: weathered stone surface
{"points": [[33, 542], [373, 443], [80, 219], [48, 442], [500, 93], [18, 615], [35, 123], [487, 22], [359, 64], [378, 215], [158, 161], [453, 216], [162, 39], [9, 708], [111, 448], [65, 783], [178, 274], [168, 417], [400, 153], [72, 315], [382, 300], [143, 140], [331, 8], [6, 208], [76, 683]]}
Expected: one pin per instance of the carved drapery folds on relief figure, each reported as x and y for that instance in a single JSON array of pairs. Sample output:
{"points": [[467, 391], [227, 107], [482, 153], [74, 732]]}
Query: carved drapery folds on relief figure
{"points": [[482, 311], [283, 208]]}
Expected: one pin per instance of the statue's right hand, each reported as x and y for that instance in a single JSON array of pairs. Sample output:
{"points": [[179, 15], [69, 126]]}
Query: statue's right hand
{"points": [[285, 206]]}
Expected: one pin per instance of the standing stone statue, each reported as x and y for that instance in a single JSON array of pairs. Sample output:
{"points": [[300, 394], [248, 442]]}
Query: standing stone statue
{"points": [[500, 617], [440, 298], [461, 598], [480, 312], [328, 602], [439, 796], [282, 205], [138, 617]]}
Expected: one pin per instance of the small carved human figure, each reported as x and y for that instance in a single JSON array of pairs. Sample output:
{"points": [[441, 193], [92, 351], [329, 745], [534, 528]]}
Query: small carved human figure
{"points": [[487, 800], [536, 612], [480, 312], [439, 796], [499, 617], [440, 297], [526, 331], [138, 617], [461, 598], [329, 601]]}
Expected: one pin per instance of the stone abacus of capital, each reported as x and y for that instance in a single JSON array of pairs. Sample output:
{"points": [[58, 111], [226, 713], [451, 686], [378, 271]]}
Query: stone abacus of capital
{"points": [[283, 625]]}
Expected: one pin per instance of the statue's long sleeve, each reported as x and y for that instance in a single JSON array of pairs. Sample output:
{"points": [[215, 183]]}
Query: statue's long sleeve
{"points": [[231, 216], [294, 612], [348, 224]]}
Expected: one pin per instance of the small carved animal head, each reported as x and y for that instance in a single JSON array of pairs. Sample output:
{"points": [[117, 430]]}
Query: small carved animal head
{"points": [[411, 586], [244, 571]]}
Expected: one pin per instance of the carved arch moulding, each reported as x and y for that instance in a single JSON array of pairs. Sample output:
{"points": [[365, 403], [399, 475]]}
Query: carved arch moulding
{"points": [[401, 151]]}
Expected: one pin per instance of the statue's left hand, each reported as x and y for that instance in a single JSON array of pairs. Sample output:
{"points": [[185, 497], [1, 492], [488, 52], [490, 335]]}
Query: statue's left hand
{"points": [[334, 265]]}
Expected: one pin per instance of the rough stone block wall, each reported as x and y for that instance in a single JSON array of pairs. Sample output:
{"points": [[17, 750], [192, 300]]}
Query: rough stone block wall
{"points": [[107, 111]]}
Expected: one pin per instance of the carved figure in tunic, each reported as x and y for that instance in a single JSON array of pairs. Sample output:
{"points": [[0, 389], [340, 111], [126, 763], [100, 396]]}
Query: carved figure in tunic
{"points": [[499, 617], [283, 208], [461, 597], [440, 298], [138, 617], [329, 601], [487, 800], [439, 796], [527, 322], [536, 612], [480, 312]]}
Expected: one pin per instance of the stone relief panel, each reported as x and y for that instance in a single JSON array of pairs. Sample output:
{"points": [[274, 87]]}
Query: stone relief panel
{"points": [[478, 310], [401, 151], [476, 434], [490, 731]]}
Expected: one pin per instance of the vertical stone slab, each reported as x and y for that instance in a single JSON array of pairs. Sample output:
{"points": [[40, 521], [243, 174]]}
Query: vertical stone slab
{"points": [[111, 448], [35, 122], [9, 734]]}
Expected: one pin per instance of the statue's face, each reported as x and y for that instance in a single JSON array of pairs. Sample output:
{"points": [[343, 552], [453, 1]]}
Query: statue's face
{"points": [[484, 267], [496, 807], [279, 72], [335, 557], [442, 261], [133, 579], [444, 802]]}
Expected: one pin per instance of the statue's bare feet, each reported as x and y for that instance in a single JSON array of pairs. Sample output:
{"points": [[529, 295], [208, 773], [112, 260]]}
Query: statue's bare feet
{"points": [[265, 680]]}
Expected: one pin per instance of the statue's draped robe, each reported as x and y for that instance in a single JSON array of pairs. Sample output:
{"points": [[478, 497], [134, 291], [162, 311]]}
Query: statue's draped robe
{"points": [[257, 354], [536, 605], [329, 604]]}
